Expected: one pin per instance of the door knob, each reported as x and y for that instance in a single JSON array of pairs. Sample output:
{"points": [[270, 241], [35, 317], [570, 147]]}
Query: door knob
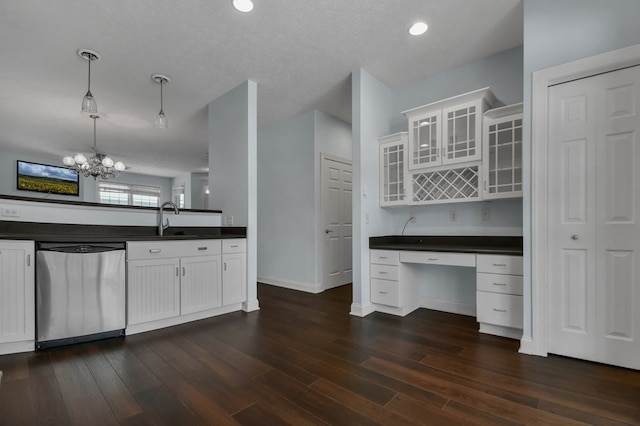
{"points": [[574, 237], [326, 231]]}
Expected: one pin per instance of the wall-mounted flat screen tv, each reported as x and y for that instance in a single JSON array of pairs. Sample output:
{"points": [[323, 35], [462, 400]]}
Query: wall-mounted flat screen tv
{"points": [[49, 179]]}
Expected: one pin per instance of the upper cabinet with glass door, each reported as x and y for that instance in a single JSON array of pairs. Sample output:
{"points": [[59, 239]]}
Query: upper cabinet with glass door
{"points": [[393, 156], [502, 162], [448, 131]]}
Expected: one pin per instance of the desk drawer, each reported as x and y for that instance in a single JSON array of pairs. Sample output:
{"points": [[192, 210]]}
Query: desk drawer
{"points": [[385, 292], [384, 272], [498, 283], [499, 309], [235, 245], [385, 257], [497, 264], [438, 258]]}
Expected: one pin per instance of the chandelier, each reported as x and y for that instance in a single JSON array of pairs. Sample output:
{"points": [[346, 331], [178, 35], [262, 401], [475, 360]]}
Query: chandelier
{"points": [[98, 164]]}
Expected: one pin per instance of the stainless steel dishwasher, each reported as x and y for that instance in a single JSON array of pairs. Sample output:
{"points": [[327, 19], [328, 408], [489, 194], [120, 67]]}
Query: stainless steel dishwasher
{"points": [[80, 292]]}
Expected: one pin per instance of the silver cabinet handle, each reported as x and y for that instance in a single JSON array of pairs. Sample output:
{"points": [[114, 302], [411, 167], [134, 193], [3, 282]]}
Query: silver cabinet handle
{"points": [[28, 260], [177, 272], [225, 266], [155, 250], [383, 273], [234, 246], [202, 248], [499, 310], [500, 284], [500, 265], [383, 257], [183, 271], [383, 292], [574, 237], [433, 259]]}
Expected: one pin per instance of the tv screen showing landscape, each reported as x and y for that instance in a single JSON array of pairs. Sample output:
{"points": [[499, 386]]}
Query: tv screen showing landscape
{"points": [[49, 179]]}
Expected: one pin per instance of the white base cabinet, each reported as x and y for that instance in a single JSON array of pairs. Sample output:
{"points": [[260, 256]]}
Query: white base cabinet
{"points": [[499, 295], [17, 296], [172, 282]]}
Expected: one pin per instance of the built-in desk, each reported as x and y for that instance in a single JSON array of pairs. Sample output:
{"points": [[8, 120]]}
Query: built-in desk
{"points": [[395, 275]]}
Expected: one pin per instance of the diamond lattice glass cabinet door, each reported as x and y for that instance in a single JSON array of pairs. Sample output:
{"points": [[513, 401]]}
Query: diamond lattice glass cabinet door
{"points": [[502, 159], [461, 133], [393, 150]]}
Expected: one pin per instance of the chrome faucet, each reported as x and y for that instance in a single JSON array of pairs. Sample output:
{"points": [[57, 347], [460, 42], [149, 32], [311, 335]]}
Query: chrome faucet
{"points": [[164, 224]]}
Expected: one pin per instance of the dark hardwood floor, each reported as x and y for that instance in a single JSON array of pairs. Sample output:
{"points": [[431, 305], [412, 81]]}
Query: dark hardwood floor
{"points": [[303, 360]]}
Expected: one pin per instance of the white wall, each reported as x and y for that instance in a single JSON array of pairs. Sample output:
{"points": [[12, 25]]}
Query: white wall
{"points": [[557, 32], [198, 183], [289, 237], [233, 168], [8, 184]]}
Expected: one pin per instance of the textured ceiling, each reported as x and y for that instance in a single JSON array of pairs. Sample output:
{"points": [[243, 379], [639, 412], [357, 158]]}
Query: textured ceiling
{"points": [[300, 53]]}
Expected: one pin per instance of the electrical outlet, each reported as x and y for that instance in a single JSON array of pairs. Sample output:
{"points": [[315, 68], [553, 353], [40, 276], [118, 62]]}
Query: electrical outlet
{"points": [[453, 216], [10, 212], [486, 213], [229, 220]]}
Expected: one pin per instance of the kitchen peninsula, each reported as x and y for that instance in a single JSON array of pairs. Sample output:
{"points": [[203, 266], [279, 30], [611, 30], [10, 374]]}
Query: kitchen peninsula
{"points": [[196, 270]]}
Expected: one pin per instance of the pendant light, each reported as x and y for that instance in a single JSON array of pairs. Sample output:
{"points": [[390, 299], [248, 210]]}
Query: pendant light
{"points": [[161, 119], [88, 102]]}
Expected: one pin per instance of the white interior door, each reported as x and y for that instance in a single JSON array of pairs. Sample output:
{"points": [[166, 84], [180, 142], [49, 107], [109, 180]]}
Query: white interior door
{"points": [[593, 231], [336, 177]]}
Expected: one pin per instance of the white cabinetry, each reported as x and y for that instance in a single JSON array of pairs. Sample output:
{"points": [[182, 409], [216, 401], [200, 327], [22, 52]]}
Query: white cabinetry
{"points": [[444, 148], [448, 131], [499, 295], [502, 156], [169, 279], [393, 288], [234, 275], [393, 155], [17, 296]]}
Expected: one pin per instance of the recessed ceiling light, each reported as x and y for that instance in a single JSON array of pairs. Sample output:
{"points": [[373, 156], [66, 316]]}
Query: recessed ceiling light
{"points": [[418, 28], [243, 5]]}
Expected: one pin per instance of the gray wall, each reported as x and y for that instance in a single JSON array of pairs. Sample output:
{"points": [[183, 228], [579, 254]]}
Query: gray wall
{"points": [[289, 238], [557, 32]]}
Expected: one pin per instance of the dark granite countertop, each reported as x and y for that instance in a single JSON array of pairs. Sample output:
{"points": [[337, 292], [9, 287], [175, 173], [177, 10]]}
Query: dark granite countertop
{"points": [[455, 244], [71, 233]]}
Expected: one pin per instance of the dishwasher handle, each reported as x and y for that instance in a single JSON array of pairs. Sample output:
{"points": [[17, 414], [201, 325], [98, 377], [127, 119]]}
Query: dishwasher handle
{"points": [[87, 248]]}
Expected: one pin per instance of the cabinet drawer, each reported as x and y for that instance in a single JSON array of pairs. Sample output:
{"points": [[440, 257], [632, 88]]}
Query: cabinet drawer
{"points": [[439, 258], [384, 272], [385, 257], [498, 283], [497, 264], [234, 245], [385, 292], [139, 250], [499, 309]]}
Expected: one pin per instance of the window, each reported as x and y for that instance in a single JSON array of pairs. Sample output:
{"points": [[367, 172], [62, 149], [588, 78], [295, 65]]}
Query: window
{"points": [[128, 195], [178, 195]]}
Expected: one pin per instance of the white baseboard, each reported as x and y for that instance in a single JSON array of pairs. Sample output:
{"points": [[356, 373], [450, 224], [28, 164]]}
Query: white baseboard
{"points": [[292, 285], [181, 319], [251, 305], [445, 306], [359, 310], [17, 347], [528, 347], [497, 330]]}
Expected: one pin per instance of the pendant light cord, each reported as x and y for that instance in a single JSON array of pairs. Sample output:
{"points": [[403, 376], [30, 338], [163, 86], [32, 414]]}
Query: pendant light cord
{"points": [[161, 101]]}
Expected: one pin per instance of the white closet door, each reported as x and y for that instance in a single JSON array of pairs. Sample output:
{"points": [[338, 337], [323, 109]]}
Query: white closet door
{"points": [[594, 159]]}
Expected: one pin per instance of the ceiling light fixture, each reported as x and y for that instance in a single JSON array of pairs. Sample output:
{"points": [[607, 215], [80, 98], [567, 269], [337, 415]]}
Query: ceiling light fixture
{"points": [[161, 119], [97, 165], [418, 28], [243, 5], [88, 102]]}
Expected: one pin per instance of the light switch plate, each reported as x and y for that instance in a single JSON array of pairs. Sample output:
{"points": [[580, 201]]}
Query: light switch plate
{"points": [[10, 212]]}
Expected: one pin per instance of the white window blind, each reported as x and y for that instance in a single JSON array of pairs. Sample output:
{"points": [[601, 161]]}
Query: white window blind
{"points": [[178, 195], [128, 195]]}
